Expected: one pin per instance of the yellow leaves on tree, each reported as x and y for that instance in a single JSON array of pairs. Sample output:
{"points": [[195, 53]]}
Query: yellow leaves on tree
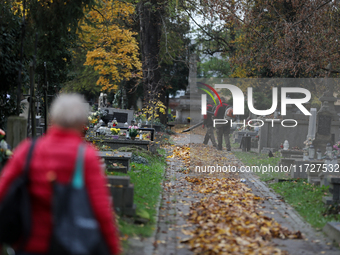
{"points": [[154, 108], [113, 49]]}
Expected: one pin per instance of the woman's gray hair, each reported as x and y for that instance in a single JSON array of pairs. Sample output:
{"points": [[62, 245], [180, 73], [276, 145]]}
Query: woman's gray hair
{"points": [[69, 111]]}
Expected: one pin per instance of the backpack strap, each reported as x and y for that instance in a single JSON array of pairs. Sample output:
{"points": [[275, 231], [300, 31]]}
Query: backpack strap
{"points": [[78, 176], [29, 156], [27, 217]]}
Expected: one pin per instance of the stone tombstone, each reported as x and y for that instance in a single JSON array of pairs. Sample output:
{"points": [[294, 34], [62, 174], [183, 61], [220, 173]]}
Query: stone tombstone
{"points": [[330, 99], [121, 115], [16, 130], [323, 133], [324, 125]]}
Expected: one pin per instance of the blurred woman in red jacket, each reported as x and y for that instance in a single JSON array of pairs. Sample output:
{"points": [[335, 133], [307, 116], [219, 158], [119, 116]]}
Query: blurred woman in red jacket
{"points": [[55, 155]]}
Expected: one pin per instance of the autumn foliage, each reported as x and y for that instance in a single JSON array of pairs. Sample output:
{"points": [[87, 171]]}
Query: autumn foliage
{"points": [[227, 217], [112, 46]]}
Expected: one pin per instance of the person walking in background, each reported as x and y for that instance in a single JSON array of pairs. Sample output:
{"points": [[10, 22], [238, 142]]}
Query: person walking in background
{"points": [[223, 129], [208, 123], [54, 158]]}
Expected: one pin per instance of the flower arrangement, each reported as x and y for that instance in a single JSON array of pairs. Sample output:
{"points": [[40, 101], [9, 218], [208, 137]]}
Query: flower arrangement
{"points": [[93, 120], [140, 116], [85, 129], [308, 142], [146, 136], [245, 128], [336, 149], [337, 146], [98, 114], [5, 152], [133, 131], [115, 131]]}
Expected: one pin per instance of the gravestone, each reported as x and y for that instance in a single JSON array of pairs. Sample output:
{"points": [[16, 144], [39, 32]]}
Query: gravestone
{"points": [[299, 170], [121, 115], [332, 169], [122, 193], [312, 124], [116, 161], [334, 189], [323, 133], [332, 230], [16, 130], [239, 134], [291, 153], [330, 99]]}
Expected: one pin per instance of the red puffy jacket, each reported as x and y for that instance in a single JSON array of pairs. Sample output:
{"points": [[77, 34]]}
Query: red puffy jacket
{"points": [[56, 152]]}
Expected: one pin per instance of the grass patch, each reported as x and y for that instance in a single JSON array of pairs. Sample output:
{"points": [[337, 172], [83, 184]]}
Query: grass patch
{"points": [[147, 182], [234, 145], [304, 197], [306, 200], [254, 159]]}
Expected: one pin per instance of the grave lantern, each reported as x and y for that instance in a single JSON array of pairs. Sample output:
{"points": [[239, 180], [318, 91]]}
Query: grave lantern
{"points": [[311, 151], [285, 145], [329, 150], [318, 154], [126, 125]]}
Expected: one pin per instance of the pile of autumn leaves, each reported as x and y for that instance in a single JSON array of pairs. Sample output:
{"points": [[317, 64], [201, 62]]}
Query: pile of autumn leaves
{"points": [[183, 153], [228, 220]]}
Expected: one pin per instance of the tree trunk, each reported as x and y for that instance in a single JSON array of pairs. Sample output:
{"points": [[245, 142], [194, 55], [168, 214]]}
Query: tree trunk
{"points": [[150, 33]]}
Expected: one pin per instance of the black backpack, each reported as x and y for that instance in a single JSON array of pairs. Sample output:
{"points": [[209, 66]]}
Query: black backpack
{"points": [[15, 208], [75, 229]]}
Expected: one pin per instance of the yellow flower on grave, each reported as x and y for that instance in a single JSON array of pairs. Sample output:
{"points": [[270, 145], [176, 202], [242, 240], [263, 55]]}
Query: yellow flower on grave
{"points": [[115, 131]]}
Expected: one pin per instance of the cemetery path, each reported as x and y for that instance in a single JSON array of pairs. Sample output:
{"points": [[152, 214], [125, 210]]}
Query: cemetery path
{"points": [[180, 193], [314, 242]]}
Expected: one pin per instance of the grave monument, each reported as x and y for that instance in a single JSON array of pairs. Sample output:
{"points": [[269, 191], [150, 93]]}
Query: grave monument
{"points": [[323, 131]]}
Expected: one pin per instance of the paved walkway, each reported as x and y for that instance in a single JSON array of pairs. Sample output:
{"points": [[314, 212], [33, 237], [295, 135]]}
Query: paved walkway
{"points": [[178, 194]]}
